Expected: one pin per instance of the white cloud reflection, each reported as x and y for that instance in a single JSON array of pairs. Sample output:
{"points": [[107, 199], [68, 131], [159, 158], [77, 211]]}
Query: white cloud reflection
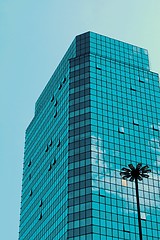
{"points": [[107, 180]]}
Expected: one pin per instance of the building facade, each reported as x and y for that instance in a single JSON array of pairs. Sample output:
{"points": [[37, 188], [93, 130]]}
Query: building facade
{"points": [[98, 113]]}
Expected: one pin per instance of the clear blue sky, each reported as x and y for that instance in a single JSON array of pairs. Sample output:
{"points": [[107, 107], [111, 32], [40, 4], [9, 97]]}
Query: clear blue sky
{"points": [[34, 35]]}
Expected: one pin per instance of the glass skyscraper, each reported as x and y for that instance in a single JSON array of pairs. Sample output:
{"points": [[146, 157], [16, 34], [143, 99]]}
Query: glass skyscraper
{"points": [[98, 113]]}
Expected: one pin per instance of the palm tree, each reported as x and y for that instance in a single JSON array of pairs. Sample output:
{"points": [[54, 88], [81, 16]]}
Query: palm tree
{"points": [[136, 174]]}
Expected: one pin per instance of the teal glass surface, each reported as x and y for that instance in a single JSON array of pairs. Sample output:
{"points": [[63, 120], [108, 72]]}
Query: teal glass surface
{"points": [[98, 113]]}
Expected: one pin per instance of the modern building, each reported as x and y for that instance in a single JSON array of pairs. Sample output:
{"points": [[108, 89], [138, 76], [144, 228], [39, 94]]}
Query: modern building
{"points": [[98, 113]]}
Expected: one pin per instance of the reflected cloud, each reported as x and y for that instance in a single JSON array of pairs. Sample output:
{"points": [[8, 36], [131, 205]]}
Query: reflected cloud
{"points": [[110, 183], [155, 145]]}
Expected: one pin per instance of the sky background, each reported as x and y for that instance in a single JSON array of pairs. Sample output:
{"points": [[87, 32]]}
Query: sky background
{"points": [[34, 36]]}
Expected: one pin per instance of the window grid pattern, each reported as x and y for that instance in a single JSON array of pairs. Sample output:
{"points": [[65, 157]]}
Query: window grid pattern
{"points": [[123, 107], [117, 108], [79, 175], [98, 113], [45, 182]]}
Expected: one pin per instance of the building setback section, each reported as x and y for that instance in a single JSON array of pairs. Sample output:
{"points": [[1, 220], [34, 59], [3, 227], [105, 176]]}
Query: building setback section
{"points": [[98, 113]]}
